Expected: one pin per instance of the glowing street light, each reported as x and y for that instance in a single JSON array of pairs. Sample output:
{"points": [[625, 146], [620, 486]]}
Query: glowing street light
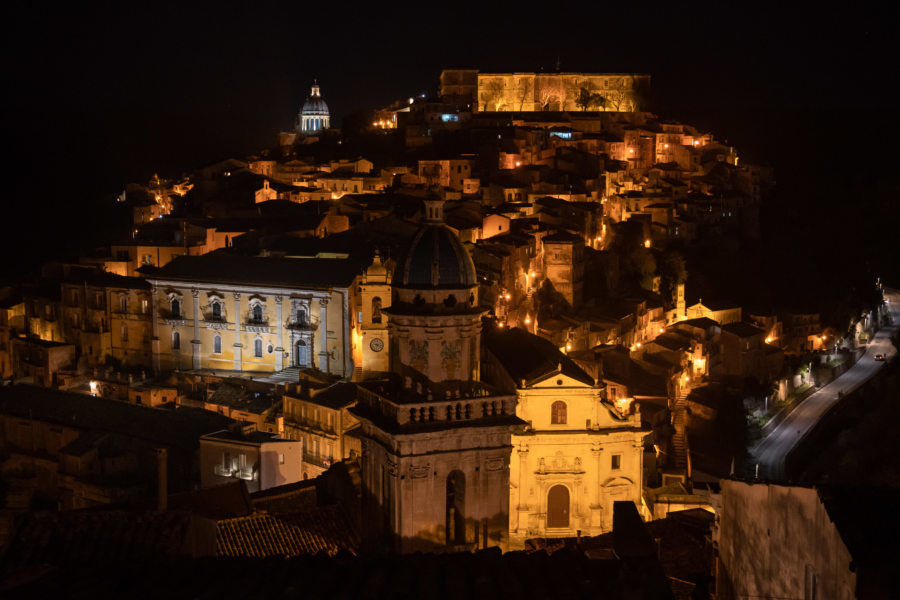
{"points": [[646, 243]]}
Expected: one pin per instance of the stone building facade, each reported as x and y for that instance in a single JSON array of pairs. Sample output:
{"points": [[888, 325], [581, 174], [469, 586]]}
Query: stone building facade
{"points": [[577, 454], [252, 314], [435, 440]]}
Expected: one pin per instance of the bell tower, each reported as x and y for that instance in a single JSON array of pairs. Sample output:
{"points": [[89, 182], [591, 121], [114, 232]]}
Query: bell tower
{"points": [[435, 439]]}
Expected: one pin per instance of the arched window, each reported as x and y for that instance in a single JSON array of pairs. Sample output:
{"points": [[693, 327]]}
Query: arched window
{"points": [[176, 308], [217, 344], [456, 508], [558, 413], [176, 340], [558, 506], [257, 348], [217, 310], [376, 309], [124, 333], [123, 303], [257, 313]]}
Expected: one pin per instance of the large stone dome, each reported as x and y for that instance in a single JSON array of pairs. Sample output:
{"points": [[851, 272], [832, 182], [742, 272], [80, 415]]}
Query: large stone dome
{"points": [[435, 259], [315, 104], [314, 116]]}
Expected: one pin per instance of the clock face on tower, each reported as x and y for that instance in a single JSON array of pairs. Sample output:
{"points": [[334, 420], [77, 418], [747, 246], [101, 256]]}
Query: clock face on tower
{"points": [[376, 345]]}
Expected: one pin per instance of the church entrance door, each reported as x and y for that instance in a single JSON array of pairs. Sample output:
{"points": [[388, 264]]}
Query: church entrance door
{"points": [[301, 354], [558, 506]]}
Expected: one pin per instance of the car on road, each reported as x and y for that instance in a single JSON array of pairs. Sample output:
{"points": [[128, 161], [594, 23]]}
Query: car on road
{"points": [[878, 357]]}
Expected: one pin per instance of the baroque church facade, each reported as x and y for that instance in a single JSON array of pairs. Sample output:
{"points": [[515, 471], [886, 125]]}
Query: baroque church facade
{"points": [[480, 436]]}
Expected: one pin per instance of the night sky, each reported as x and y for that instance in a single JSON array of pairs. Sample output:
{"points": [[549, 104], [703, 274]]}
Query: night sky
{"points": [[97, 97]]}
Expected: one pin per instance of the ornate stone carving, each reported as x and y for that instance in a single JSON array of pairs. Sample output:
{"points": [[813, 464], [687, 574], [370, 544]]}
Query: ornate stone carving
{"points": [[450, 352], [496, 463], [419, 472], [418, 354]]}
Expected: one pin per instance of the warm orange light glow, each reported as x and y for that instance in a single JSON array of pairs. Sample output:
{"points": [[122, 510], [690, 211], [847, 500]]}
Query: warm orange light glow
{"points": [[507, 296], [638, 344], [769, 340], [500, 324], [662, 329], [687, 378], [646, 243], [568, 346], [527, 320], [518, 164]]}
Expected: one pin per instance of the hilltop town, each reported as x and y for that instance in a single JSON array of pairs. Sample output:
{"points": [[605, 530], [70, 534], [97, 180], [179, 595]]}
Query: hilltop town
{"points": [[481, 319]]}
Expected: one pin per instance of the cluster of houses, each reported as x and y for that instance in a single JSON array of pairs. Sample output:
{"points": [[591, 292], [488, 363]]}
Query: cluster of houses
{"points": [[236, 333]]}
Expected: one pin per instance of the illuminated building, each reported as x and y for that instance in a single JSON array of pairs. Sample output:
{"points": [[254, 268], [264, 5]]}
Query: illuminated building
{"points": [[252, 313], [532, 92], [314, 116], [578, 453], [563, 260], [435, 439]]}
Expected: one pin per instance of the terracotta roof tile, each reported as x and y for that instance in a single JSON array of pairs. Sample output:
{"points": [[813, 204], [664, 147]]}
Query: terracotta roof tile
{"points": [[324, 529]]}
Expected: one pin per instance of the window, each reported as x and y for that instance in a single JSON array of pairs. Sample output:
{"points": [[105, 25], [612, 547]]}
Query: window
{"points": [[217, 344], [145, 306], [558, 413], [74, 297], [176, 340], [216, 310], [257, 348], [123, 303], [301, 317], [257, 313], [281, 459], [176, 308], [124, 333], [616, 462]]}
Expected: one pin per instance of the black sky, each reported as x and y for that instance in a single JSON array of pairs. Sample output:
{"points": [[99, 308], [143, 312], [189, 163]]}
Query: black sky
{"points": [[99, 96]]}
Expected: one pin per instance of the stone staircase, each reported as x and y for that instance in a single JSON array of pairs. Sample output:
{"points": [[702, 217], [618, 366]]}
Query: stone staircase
{"points": [[288, 375], [680, 449]]}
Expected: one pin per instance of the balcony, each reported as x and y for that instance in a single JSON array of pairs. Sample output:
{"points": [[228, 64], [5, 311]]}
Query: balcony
{"points": [[257, 326], [172, 318], [301, 325], [317, 460], [223, 471]]}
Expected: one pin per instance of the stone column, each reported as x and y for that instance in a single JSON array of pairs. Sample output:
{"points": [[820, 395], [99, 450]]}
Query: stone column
{"points": [[154, 324], [279, 350], [323, 336], [237, 331], [195, 343], [596, 503]]}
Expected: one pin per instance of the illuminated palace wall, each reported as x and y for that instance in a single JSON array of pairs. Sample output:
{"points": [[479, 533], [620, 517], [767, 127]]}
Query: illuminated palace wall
{"points": [[525, 92]]}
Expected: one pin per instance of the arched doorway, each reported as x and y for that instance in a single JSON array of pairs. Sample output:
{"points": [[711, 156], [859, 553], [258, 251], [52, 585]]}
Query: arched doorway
{"points": [[558, 506], [456, 508], [301, 354]]}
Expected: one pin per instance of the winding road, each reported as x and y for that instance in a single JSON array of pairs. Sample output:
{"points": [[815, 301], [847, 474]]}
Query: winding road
{"points": [[771, 451]]}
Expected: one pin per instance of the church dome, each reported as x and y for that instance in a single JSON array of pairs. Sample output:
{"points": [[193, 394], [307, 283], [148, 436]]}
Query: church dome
{"points": [[435, 257], [314, 104]]}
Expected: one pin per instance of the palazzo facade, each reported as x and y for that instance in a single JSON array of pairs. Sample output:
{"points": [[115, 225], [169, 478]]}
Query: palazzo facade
{"points": [[239, 313]]}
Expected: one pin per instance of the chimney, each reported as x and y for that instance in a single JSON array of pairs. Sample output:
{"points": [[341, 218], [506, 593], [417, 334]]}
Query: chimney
{"points": [[162, 479]]}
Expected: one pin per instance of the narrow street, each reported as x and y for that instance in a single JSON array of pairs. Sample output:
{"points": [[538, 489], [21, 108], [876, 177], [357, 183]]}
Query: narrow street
{"points": [[770, 452]]}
